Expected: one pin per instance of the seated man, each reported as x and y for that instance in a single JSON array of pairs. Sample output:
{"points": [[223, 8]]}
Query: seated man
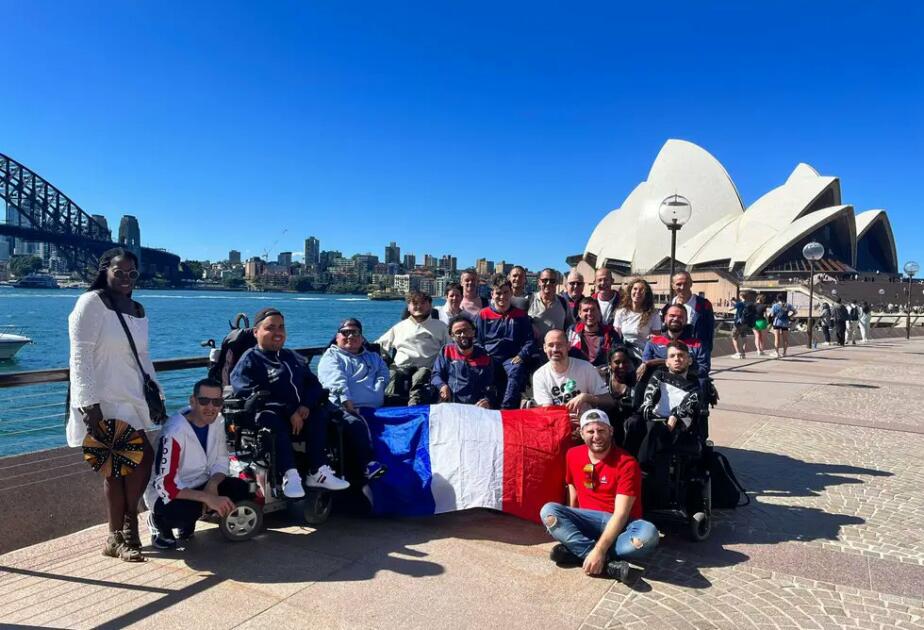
{"points": [[415, 340], [671, 404], [294, 407], [506, 334], [191, 473], [590, 336], [619, 404], [675, 328], [355, 377], [601, 527], [464, 373], [567, 381]]}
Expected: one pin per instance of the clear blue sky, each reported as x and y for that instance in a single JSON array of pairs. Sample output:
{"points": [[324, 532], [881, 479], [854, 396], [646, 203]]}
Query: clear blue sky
{"points": [[482, 129]]}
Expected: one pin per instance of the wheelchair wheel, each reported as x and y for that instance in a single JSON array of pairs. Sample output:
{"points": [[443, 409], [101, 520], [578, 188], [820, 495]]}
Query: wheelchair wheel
{"points": [[700, 526], [243, 523], [317, 506]]}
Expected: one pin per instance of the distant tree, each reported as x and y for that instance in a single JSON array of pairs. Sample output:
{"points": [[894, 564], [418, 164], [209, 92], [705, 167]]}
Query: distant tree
{"points": [[234, 283], [195, 268], [300, 284], [24, 265]]}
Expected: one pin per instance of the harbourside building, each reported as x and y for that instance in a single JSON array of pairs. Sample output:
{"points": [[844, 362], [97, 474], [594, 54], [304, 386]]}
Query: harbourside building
{"points": [[312, 251], [392, 253]]}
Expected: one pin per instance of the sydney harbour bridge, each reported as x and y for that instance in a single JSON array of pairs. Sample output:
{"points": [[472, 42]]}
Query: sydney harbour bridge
{"points": [[49, 216]]}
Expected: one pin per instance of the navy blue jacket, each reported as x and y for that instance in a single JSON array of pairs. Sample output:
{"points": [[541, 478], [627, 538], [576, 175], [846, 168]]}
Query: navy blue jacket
{"points": [[505, 335], [284, 374], [656, 348], [470, 378]]}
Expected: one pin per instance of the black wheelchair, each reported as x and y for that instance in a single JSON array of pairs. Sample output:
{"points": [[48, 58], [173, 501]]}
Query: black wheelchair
{"points": [[253, 459], [677, 484]]}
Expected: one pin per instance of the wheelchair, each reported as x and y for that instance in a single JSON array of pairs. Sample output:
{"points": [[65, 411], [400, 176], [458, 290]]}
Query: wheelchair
{"points": [[253, 459], [677, 485]]}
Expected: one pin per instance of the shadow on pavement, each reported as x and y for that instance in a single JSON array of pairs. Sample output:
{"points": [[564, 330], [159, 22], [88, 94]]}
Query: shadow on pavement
{"points": [[768, 478]]}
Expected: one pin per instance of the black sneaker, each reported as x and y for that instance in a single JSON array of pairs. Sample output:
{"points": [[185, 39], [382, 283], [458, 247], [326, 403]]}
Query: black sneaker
{"points": [[618, 570], [563, 556], [161, 538]]}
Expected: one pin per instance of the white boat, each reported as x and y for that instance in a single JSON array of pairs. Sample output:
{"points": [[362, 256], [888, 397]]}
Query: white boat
{"points": [[11, 342], [37, 281]]}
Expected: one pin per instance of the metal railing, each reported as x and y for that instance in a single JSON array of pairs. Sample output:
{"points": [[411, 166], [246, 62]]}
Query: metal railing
{"points": [[32, 403]]}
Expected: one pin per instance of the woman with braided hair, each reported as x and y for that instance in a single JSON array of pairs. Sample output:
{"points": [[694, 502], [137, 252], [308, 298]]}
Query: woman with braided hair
{"points": [[107, 383]]}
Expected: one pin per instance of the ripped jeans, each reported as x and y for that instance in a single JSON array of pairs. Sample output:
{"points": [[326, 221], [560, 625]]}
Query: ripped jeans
{"points": [[578, 530]]}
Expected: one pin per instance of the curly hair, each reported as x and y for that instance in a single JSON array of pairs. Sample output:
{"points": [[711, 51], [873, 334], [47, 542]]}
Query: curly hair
{"points": [[105, 261], [648, 307]]}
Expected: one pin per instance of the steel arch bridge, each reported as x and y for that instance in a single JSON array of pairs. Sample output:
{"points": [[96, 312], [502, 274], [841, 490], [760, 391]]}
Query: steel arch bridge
{"points": [[50, 216]]}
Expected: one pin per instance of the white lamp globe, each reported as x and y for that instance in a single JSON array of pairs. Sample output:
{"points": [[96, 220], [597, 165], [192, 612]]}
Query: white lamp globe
{"points": [[675, 211]]}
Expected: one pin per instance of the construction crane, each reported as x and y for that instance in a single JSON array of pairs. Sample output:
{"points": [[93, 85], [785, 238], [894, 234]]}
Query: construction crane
{"points": [[273, 246]]}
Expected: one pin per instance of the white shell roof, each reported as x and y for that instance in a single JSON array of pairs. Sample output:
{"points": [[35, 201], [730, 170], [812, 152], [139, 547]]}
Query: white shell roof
{"points": [[866, 220]]}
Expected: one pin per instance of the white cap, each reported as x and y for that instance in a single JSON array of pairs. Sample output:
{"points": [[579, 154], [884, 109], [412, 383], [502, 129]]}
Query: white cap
{"points": [[594, 415]]}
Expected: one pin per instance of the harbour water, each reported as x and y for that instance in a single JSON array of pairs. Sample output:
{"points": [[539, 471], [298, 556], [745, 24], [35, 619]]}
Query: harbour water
{"points": [[31, 418]]}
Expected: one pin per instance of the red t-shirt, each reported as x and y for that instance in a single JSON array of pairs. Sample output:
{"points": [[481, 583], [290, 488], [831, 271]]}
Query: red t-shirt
{"points": [[618, 473]]}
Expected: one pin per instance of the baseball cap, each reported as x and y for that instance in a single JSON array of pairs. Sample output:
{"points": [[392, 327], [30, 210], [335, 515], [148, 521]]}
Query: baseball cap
{"points": [[594, 415], [351, 322], [263, 313]]}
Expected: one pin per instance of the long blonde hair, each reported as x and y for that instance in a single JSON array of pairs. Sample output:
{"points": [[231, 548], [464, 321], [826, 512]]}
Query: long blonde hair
{"points": [[647, 301]]}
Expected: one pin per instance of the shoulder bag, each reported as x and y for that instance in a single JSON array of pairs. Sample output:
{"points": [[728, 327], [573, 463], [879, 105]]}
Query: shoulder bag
{"points": [[152, 395]]}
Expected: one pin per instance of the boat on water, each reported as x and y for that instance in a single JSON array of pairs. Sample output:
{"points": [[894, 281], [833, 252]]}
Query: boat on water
{"points": [[37, 281], [384, 296], [11, 340]]}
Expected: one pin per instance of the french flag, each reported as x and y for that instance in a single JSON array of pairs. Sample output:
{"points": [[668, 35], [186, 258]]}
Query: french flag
{"points": [[450, 457]]}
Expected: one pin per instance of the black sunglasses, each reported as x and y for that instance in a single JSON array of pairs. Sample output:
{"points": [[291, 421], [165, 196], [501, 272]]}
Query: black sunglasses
{"points": [[121, 274], [205, 400], [349, 332]]}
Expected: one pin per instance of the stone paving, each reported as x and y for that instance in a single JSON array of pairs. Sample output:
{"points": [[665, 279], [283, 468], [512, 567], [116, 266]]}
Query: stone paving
{"points": [[829, 443]]}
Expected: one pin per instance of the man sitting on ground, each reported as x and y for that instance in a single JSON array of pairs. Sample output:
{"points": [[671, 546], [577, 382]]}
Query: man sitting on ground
{"points": [[294, 406], [416, 341], [601, 527], [590, 337], [567, 381], [606, 296], [356, 378], [471, 300], [506, 334], [463, 372], [191, 473]]}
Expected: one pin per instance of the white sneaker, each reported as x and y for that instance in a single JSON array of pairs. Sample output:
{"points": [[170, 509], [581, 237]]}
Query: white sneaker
{"points": [[292, 485], [325, 478], [760, 353]]}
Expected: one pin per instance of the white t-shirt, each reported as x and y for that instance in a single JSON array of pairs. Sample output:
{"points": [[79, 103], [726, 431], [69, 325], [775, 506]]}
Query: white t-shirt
{"points": [[552, 388], [629, 324]]}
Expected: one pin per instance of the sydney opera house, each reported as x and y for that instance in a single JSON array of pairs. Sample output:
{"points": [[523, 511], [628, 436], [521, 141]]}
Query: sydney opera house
{"points": [[761, 242]]}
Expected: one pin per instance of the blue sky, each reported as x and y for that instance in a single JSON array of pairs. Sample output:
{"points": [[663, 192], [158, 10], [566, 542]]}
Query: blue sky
{"points": [[502, 130]]}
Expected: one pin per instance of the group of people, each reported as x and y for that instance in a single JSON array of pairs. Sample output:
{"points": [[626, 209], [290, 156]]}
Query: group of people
{"points": [[587, 353]]}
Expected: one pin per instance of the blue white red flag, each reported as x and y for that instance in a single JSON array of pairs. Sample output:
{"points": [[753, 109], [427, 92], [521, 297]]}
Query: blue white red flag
{"points": [[450, 457]]}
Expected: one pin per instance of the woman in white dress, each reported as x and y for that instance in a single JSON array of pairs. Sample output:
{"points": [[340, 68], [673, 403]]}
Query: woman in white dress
{"points": [[637, 318], [106, 383]]}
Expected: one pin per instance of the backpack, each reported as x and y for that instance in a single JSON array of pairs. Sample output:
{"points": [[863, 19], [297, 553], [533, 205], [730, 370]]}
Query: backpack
{"points": [[726, 489], [749, 315], [235, 343], [853, 312]]}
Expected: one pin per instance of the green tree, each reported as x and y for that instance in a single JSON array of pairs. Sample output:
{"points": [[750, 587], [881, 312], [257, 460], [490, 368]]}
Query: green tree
{"points": [[234, 283], [24, 265], [300, 284], [195, 268]]}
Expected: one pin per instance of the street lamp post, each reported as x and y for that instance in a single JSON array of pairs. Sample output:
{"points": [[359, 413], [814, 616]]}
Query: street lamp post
{"points": [[911, 268], [674, 212], [812, 251]]}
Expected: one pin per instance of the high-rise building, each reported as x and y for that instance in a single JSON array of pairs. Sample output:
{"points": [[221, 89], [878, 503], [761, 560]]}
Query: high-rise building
{"points": [[130, 234], [429, 261], [392, 253], [284, 259], [254, 268], [326, 257], [410, 261], [502, 267], [234, 257], [484, 267], [312, 251]]}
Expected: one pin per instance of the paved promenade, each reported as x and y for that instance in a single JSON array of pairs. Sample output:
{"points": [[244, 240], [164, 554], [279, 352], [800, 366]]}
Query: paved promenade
{"points": [[830, 444]]}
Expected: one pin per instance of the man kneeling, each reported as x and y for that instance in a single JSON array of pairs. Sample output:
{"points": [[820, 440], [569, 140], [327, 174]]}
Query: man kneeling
{"points": [[601, 527], [191, 474]]}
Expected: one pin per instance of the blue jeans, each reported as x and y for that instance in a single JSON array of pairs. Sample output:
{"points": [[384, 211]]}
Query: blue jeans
{"points": [[517, 374], [579, 529]]}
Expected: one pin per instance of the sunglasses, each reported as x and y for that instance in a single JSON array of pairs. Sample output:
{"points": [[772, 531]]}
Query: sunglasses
{"points": [[464, 333], [573, 284], [121, 274], [546, 280], [590, 480], [349, 332], [215, 402]]}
